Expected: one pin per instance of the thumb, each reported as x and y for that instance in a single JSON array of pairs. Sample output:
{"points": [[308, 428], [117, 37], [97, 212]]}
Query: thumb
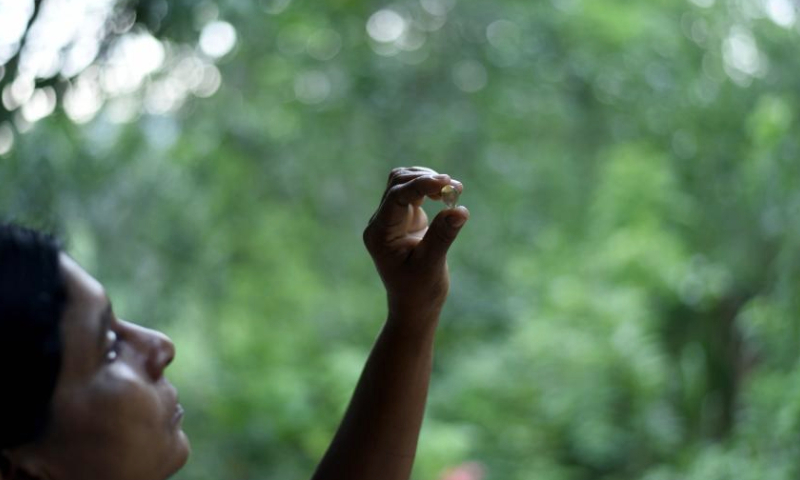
{"points": [[441, 233]]}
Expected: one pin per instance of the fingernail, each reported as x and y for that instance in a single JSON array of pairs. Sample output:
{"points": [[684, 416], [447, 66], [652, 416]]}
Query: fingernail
{"points": [[455, 221]]}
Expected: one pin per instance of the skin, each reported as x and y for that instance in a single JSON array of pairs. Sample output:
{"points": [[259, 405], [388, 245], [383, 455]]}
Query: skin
{"points": [[116, 417], [378, 435]]}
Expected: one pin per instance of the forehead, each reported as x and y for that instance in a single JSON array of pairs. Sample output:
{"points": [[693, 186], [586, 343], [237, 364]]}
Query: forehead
{"points": [[82, 287], [86, 302]]}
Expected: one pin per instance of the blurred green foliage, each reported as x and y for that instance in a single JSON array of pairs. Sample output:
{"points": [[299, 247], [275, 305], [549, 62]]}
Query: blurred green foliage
{"points": [[625, 297]]}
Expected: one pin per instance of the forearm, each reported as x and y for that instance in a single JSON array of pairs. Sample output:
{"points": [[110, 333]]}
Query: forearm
{"points": [[377, 439]]}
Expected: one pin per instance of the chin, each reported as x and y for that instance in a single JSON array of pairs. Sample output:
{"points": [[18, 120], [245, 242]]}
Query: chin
{"points": [[181, 454], [185, 448]]}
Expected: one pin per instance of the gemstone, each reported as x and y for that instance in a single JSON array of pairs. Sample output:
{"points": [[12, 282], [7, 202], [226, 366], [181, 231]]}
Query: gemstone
{"points": [[450, 196]]}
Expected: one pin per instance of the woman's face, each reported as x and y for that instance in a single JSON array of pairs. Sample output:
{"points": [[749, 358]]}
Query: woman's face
{"points": [[115, 415]]}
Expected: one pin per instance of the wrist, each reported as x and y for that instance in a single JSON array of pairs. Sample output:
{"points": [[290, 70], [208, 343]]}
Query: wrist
{"points": [[415, 308], [414, 324]]}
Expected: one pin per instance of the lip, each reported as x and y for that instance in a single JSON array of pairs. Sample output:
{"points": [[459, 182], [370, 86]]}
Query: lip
{"points": [[178, 415], [178, 411]]}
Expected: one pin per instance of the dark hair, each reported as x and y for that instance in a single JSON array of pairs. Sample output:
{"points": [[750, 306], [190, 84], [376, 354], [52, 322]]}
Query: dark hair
{"points": [[32, 299]]}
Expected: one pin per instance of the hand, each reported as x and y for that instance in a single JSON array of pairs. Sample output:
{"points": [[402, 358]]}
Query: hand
{"points": [[410, 255]]}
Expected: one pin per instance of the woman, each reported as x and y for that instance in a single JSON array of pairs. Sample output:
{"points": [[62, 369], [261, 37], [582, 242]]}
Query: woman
{"points": [[84, 396]]}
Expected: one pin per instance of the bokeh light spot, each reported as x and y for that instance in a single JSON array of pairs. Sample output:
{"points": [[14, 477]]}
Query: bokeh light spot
{"points": [[741, 56], [312, 87], [84, 98], [217, 39], [133, 58], [470, 76], [41, 104], [386, 26], [6, 138], [324, 44], [210, 83], [413, 39], [123, 109], [782, 12], [274, 7], [14, 15], [505, 37], [438, 7]]}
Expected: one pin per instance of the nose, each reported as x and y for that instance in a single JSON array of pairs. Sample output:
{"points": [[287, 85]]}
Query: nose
{"points": [[163, 354], [156, 348]]}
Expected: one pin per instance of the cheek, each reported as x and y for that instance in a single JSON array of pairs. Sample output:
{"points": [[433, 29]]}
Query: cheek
{"points": [[117, 417], [120, 401]]}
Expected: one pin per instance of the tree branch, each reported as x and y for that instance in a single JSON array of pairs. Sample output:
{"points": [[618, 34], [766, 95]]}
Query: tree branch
{"points": [[12, 65]]}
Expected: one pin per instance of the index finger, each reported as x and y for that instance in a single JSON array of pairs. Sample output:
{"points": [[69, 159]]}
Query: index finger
{"points": [[394, 209], [404, 174]]}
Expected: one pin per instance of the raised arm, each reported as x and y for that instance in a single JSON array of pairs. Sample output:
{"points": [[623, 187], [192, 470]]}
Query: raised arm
{"points": [[377, 439]]}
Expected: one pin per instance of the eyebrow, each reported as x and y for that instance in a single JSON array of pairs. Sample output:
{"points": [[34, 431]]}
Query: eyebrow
{"points": [[105, 323]]}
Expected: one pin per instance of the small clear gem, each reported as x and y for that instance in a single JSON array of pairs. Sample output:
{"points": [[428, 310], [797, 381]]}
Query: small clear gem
{"points": [[450, 196]]}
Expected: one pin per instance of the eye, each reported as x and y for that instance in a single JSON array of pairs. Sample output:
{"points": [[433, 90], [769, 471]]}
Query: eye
{"points": [[113, 346]]}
